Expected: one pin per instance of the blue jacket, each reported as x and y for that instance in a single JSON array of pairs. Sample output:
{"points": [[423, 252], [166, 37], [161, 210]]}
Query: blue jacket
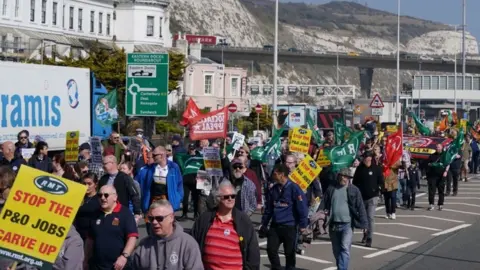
{"points": [[286, 207], [174, 185]]}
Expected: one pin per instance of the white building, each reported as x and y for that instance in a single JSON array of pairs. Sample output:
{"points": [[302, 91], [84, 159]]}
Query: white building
{"points": [[64, 26]]}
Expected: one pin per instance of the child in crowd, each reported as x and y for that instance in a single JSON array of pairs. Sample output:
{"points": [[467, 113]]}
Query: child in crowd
{"points": [[413, 183]]}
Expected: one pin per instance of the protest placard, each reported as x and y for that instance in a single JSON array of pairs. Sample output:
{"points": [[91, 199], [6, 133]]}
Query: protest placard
{"points": [[37, 216], [213, 165], [71, 146], [96, 150], [300, 140], [322, 158], [305, 172]]}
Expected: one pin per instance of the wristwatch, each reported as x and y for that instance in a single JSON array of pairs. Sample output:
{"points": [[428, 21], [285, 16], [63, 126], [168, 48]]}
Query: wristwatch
{"points": [[126, 255]]}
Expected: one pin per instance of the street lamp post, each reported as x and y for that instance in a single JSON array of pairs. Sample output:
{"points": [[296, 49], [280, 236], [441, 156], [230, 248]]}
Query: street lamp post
{"points": [[464, 49], [455, 71], [397, 111], [275, 66], [338, 60]]}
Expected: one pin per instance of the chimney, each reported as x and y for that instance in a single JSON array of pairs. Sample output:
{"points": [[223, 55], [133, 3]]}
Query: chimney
{"points": [[196, 50], [182, 46]]}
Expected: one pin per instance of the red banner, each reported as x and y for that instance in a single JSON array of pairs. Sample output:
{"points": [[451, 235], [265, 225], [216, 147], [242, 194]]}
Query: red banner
{"points": [[212, 125], [190, 112], [393, 150]]}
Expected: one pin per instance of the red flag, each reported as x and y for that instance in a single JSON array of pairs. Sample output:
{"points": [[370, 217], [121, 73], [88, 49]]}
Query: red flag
{"points": [[212, 125], [190, 112], [393, 150]]}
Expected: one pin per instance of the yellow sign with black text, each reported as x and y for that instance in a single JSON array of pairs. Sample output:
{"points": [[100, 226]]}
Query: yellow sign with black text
{"points": [[322, 159], [37, 216], [305, 172], [71, 147], [300, 140]]}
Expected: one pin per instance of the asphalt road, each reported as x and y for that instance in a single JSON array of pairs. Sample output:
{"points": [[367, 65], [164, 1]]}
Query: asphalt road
{"points": [[417, 239]]}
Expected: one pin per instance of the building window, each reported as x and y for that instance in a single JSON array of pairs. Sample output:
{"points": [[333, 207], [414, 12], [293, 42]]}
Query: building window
{"points": [[32, 10], [100, 22], [44, 11], [150, 21], [80, 19], [160, 27], [108, 24], [70, 18], [54, 13], [207, 85], [4, 8], [17, 8], [16, 44], [92, 21], [4, 43], [234, 87]]}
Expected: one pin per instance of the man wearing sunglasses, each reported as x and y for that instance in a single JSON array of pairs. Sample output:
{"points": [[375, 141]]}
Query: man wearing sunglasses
{"points": [[287, 209], [169, 247], [113, 233], [245, 189], [226, 235]]}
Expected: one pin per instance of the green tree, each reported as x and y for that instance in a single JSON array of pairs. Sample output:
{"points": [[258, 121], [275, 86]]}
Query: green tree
{"points": [[265, 119], [163, 126]]}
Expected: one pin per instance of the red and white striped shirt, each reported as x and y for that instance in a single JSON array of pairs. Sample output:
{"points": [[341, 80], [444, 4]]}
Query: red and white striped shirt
{"points": [[222, 247]]}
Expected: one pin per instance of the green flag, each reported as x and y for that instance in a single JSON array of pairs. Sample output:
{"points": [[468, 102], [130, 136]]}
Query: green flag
{"points": [[342, 156], [189, 164], [106, 109], [341, 131], [424, 130], [311, 125], [273, 147], [450, 154]]}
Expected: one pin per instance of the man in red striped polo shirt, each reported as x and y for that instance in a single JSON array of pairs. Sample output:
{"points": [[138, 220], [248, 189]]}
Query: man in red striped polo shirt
{"points": [[226, 235]]}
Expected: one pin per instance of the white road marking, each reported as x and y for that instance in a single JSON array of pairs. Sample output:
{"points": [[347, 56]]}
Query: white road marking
{"points": [[385, 251], [262, 243], [302, 257], [461, 212], [387, 235], [469, 193], [408, 225], [331, 268], [462, 198], [321, 243], [363, 247], [456, 203], [459, 227], [416, 196], [429, 217]]}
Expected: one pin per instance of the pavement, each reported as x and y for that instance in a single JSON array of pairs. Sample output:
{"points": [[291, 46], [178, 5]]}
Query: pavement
{"points": [[418, 239]]}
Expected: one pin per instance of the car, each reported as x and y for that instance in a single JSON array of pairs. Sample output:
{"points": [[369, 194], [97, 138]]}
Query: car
{"points": [[446, 59], [268, 47], [353, 54], [319, 52], [294, 50], [426, 58]]}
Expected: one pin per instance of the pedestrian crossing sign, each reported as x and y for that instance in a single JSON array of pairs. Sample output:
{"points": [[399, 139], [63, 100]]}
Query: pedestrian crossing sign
{"points": [[376, 102]]}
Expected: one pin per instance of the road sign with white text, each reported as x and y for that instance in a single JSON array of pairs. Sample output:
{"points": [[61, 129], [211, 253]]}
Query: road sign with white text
{"points": [[376, 102], [377, 111], [146, 90]]}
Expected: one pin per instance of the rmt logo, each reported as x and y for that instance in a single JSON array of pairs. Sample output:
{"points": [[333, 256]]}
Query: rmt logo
{"points": [[302, 131], [313, 164]]}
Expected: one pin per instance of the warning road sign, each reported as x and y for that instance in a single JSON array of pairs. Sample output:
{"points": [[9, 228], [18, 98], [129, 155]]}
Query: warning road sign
{"points": [[376, 102]]}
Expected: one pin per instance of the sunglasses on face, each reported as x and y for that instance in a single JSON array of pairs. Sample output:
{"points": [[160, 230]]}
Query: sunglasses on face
{"points": [[106, 195], [159, 219], [228, 197], [116, 138], [238, 167], [22, 138]]}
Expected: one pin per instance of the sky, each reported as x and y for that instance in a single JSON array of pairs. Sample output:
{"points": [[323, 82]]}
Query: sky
{"points": [[444, 11]]}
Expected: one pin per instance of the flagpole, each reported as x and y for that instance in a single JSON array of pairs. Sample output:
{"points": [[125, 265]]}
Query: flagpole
{"points": [[275, 69]]}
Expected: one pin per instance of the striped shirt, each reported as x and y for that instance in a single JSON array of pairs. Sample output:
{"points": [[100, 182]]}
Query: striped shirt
{"points": [[222, 248]]}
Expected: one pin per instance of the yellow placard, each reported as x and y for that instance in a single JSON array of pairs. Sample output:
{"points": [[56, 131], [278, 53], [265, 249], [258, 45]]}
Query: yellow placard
{"points": [[322, 159], [436, 124], [300, 140], [71, 146], [305, 172], [391, 128], [290, 131], [421, 150], [37, 216], [463, 124]]}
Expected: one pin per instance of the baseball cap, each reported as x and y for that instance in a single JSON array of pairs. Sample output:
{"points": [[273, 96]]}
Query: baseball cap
{"points": [[236, 161], [191, 146]]}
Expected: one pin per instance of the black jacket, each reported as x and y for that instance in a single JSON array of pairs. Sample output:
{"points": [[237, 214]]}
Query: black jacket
{"points": [[125, 190], [244, 227], [44, 164], [369, 180], [434, 171]]}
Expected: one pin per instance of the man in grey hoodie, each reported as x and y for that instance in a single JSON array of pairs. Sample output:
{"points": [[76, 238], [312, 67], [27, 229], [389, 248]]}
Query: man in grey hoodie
{"points": [[169, 247]]}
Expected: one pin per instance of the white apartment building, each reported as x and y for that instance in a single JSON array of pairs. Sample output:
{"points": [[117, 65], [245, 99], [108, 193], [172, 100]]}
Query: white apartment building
{"points": [[71, 26]]}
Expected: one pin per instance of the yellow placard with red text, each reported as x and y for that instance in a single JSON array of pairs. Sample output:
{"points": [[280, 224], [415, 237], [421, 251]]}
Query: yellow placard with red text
{"points": [[71, 146], [305, 172], [37, 216], [300, 140], [391, 128], [322, 159]]}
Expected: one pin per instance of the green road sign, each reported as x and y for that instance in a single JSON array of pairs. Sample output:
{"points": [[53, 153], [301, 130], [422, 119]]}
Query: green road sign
{"points": [[146, 90]]}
